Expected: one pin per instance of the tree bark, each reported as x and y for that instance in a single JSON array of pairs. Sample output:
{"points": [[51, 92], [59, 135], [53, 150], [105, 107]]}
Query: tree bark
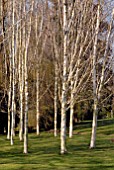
{"points": [[94, 123], [71, 111], [27, 41], [13, 72], [55, 99], [21, 76], [64, 83], [37, 102], [26, 106]]}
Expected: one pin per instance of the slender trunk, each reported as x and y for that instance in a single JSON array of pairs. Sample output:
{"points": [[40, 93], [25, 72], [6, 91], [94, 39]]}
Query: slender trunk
{"points": [[37, 103], [13, 73], [74, 82], [10, 80], [14, 121], [9, 94], [71, 121], [71, 111], [94, 123], [27, 40], [26, 107], [55, 100], [21, 80], [25, 84], [64, 83], [21, 103], [9, 104]]}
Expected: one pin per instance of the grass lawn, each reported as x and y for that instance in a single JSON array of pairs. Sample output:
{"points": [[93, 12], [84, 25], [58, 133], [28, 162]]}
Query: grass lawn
{"points": [[44, 152]]}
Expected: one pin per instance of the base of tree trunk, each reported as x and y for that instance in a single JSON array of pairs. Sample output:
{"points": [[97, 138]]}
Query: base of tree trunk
{"points": [[63, 152], [12, 143], [91, 147], [70, 136], [25, 153], [8, 138]]}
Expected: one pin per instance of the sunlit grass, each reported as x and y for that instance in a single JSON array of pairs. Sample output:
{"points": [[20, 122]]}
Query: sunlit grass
{"points": [[44, 151]]}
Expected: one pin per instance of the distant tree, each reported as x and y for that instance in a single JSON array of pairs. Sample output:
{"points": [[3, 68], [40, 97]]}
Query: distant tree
{"points": [[99, 81]]}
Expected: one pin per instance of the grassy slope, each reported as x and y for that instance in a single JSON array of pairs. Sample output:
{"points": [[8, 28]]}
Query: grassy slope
{"points": [[44, 152]]}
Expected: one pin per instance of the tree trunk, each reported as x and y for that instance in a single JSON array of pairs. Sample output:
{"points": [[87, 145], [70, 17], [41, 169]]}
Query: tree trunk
{"points": [[27, 41], [71, 111], [13, 72], [55, 100], [64, 83], [21, 103], [94, 124], [37, 103], [21, 77], [26, 113], [26, 104], [9, 97], [9, 109]]}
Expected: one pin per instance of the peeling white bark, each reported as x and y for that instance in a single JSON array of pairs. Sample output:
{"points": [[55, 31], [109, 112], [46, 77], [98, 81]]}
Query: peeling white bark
{"points": [[37, 102], [13, 73], [94, 123], [21, 78], [71, 111], [26, 81], [55, 100], [64, 83]]}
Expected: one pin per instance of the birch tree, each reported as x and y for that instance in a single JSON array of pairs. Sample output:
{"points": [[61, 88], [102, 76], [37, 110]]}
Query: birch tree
{"points": [[64, 83], [13, 71], [56, 36], [80, 42], [97, 87], [21, 70], [27, 38], [55, 99], [38, 37]]}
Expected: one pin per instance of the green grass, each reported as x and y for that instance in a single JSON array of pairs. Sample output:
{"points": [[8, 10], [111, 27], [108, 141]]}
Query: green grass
{"points": [[44, 152]]}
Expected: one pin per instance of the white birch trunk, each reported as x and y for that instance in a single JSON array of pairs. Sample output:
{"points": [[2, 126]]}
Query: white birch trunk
{"points": [[64, 83], [55, 100], [74, 82], [38, 75], [10, 79], [25, 87], [9, 100], [21, 80], [26, 107], [27, 38], [71, 111], [14, 113], [13, 73], [9, 118], [21, 103], [37, 103], [94, 123]]}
